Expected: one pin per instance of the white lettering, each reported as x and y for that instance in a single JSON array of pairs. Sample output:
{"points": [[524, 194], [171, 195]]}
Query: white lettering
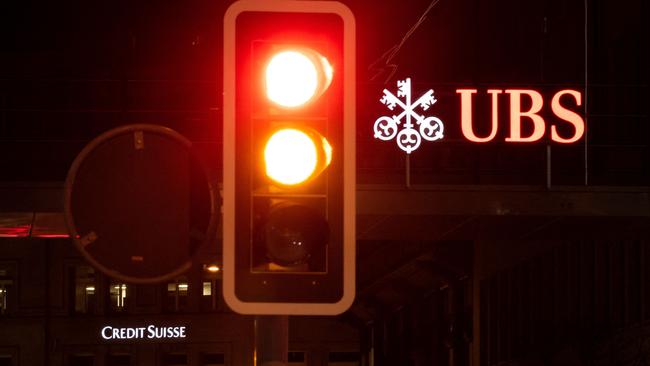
{"points": [[152, 331], [104, 334]]}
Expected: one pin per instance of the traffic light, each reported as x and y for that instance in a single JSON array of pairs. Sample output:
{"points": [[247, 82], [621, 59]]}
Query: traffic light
{"points": [[289, 157]]}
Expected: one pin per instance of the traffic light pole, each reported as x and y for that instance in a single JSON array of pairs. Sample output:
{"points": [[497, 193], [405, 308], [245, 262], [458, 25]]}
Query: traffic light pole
{"points": [[271, 340]]}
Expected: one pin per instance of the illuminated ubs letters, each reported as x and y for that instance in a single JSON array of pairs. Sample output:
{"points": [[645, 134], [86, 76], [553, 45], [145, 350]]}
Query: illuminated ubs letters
{"points": [[149, 332], [518, 116]]}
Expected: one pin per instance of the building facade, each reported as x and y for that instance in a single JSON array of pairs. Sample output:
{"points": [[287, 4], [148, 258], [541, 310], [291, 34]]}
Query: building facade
{"points": [[57, 310]]}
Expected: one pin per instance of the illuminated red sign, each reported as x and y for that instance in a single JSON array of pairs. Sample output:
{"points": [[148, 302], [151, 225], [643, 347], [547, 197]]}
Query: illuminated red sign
{"points": [[518, 116], [530, 116]]}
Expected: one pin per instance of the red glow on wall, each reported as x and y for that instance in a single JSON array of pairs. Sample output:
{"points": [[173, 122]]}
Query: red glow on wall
{"points": [[20, 231], [51, 236]]}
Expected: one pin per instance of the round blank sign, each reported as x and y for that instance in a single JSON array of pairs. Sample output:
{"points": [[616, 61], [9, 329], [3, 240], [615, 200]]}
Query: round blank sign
{"points": [[138, 204]]}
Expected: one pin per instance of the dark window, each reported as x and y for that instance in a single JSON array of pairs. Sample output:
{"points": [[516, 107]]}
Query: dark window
{"points": [[84, 289], [296, 358], [175, 359], [212, 359], [7, 289], [118, 360], [82, 360], [177, 294], [147, 296], [344, 358], [6, 360]]}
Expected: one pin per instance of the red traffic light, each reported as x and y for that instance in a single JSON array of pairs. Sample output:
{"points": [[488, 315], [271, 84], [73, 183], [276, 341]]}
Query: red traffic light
{"points": [[293, 77], [289, 131]]}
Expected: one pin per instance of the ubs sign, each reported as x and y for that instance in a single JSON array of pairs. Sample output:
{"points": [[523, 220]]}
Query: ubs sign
{"points": [[417, 123]]}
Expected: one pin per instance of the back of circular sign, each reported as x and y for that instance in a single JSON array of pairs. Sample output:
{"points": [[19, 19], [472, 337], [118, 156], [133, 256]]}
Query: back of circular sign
{"points": [[138, 203]]}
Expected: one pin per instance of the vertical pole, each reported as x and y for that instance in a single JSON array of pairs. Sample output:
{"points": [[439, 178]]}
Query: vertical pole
{"points": [[476, 305], [271, 340], [548, 167], [3, 128], [451, 323], [586, 152], [48, 310], [542, 78], [408, 171]]}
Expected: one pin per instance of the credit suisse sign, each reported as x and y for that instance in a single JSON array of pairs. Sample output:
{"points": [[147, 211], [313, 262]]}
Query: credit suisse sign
{"points": [[148, 332], [415, 121]]}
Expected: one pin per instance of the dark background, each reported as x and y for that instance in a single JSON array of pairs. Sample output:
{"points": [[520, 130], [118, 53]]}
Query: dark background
{"points": [[69, 71], [540, 249]]}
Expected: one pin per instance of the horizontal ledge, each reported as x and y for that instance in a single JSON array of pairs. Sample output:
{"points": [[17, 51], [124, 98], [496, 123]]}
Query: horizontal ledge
{"points": [[418, 200]]}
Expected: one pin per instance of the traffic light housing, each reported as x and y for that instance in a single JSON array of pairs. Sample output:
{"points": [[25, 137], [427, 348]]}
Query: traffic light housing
{"points": [[289, 157]]}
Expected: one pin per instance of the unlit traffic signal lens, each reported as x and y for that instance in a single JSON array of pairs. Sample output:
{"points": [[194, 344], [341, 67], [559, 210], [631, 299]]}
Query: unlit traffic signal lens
{"points": [[294, 77], [293, 156], [293, 233]]}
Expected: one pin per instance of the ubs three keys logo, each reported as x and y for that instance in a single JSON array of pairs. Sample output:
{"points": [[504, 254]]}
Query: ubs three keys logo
{"points": [[411, 134]]}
